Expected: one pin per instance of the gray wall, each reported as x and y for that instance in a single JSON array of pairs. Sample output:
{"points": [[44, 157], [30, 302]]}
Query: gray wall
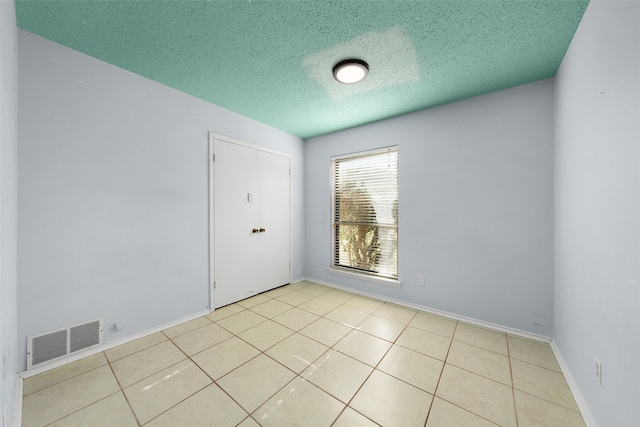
{"points": [[597, 219], [8, 210], [113, 193], [475, 209]]}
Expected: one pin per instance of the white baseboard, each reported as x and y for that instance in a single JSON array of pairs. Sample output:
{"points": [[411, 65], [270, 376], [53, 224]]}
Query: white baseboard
{"points": [[584, 410], [573, 386], [481, 323], [17, 402], [95, 350]]}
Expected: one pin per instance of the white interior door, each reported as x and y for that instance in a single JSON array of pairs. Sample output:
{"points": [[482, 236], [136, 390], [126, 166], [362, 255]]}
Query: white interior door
{"points": [[274, 218], [235, 214], [251, 221]]}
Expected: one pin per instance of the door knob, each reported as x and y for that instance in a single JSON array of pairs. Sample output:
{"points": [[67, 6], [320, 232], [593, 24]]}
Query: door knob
{"points": [[262, 230], [255, 230]]}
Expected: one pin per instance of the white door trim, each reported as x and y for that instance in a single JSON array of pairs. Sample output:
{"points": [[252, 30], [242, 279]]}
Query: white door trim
{"points": [[212, 187], [213, 136]]}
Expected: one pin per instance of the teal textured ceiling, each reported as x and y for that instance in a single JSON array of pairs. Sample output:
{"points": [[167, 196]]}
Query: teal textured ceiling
{"points": [[272, 60]]}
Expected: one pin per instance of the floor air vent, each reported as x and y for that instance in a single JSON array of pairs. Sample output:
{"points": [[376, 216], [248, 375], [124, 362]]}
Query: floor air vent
{"points": [[53, 345]]}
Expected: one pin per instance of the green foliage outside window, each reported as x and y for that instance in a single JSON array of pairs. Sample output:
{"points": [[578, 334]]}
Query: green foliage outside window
{"points": [[359, 241]]}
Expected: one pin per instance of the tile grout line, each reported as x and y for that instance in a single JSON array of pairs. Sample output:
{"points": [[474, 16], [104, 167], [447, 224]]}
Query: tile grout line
{"points": [[167, 338], [61, 381], [332, 347], [113, 372], [296, 375], [108, 363], [233, 335], [444, 364], [353, 328], [324, 352], [466, 370], [513, 388], [80, 409], [531, 394], [76, 376], [375, 368], [187, 357], [137, 351]]}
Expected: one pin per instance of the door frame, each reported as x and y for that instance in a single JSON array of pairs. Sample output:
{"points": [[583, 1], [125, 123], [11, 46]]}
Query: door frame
{"points": [[211, 161]]}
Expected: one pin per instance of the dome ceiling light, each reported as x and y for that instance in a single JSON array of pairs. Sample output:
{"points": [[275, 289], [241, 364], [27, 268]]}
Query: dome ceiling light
{"points": [[350, 71]]}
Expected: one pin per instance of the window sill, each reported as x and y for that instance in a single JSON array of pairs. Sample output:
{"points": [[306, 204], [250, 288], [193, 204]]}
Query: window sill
{"points": [[367, 277]]}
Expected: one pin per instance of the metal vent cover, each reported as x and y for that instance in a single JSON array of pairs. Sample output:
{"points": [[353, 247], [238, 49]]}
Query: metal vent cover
{"points": [[84, 336], [57, 344]]}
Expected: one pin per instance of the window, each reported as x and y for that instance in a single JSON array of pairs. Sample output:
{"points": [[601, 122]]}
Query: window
{"points": [[364, 200]]}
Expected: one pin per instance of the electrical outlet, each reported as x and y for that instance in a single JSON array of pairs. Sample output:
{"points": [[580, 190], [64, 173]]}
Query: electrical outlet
{"points": [[598, 371], [420, 280], [299, 270]]}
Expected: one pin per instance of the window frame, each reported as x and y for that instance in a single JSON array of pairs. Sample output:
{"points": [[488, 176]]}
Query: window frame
{"points": [[354, 271]]}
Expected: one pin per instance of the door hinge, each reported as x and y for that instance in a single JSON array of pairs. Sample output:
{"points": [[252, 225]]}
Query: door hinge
{"points": [[213, 158], [214, 284]]}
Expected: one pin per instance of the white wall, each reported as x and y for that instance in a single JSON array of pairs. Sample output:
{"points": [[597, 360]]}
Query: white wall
{"points": [[475, 206], [113, 193], [8, 211], [597, 219]]}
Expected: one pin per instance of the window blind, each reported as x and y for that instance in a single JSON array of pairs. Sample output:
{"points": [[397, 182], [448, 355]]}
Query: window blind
{"points": [[365, 212]]}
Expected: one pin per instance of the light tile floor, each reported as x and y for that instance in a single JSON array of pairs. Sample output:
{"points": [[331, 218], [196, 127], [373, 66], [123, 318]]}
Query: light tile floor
{"points": [[310, 355]]}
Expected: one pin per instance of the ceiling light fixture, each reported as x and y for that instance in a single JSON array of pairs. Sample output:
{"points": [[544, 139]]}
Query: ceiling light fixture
{"points": [[350, 71]]}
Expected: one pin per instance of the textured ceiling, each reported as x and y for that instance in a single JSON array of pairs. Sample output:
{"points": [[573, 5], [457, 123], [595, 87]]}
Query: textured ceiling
{"points": [[272, 60]]}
